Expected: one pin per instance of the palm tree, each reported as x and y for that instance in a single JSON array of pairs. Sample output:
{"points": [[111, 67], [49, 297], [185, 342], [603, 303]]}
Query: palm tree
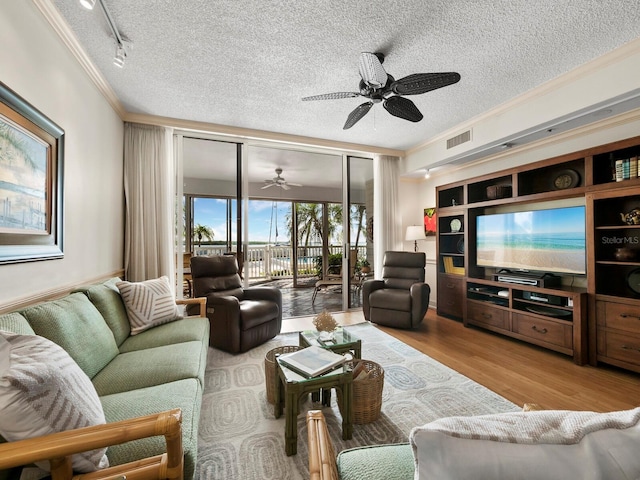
{"points": [[202, 231], [358, 217]]}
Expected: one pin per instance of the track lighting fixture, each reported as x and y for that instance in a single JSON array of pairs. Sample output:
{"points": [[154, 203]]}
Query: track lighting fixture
{"points": [[427, 174], [122, 44]]}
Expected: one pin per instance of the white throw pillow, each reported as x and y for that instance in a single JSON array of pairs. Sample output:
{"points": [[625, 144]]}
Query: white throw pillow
{"points": [[539, 445], [43, 391], [149, 303]]}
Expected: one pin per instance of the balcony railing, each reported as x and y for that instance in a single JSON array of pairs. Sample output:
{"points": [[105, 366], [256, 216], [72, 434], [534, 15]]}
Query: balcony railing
{"points": [[271, 262]]}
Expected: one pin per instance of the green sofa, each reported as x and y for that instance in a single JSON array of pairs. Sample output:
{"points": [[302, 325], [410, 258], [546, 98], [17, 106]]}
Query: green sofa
{"points": [[156, 370]]}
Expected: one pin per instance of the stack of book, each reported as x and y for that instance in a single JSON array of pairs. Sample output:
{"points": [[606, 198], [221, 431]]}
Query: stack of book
{"points": [[626, 168]]}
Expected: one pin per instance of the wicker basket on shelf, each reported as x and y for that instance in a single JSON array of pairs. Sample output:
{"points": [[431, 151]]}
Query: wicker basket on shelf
{"points": [[270, 372], [368, 381]]}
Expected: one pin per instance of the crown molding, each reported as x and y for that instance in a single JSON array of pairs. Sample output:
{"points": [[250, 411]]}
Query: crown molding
{"points": [[60, 26]]}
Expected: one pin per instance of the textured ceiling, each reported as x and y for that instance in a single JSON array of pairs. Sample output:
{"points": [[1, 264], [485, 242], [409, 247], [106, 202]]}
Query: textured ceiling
{"points": [[247, 63]]}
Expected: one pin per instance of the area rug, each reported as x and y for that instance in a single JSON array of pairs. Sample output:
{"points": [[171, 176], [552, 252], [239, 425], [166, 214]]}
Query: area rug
{"points": [[239, 437]]}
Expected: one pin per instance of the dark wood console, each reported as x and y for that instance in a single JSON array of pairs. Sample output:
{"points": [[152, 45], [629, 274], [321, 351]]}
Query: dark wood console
{"points": [[597, 323]]}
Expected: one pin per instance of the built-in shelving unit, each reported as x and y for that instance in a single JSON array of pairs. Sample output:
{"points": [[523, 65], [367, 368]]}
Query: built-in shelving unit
{"points": [[599, 322]]}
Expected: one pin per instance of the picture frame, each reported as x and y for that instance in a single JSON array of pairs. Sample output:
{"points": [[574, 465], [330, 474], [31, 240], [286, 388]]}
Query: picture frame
{"points": [[31, 182], [430, 221]]}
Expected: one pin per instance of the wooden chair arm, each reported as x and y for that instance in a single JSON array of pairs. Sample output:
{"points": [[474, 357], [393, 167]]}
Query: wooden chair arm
{"points": [[57, 448], [322, 456], [191, 301]]}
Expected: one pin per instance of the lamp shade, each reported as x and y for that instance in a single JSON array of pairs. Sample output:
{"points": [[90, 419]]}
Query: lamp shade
{"points": [[415, 232]]}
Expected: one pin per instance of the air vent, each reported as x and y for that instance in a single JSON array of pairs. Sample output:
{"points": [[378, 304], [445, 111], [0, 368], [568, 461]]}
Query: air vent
{"points": [[459, 139]]}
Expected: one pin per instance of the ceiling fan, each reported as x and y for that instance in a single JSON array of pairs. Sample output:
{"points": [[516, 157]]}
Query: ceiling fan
{"points": [[378, 86], [279, 181]]}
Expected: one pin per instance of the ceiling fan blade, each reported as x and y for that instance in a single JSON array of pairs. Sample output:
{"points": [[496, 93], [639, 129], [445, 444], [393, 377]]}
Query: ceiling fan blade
{"points": [[359, 112], [267, 186], [424, 82], [294, 184], [285, 186], [403, 108], [371, 70], [331, 96]]}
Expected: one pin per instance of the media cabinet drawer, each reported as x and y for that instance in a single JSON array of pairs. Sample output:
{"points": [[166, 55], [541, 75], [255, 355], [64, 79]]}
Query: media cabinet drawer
{"points": [[619, 346], [483, 314], [618, 316], [544, 330]]}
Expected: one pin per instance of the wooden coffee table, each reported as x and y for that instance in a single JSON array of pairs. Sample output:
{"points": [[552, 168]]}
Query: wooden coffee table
{"points": [[291, 386]]}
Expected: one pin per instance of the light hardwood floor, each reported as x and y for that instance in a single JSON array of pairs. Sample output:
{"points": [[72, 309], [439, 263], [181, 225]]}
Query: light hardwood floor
{"points": [[520, 372]]}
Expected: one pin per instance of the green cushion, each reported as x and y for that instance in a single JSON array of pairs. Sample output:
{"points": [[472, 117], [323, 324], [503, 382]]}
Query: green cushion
{"points": [[184, 394], [185, 330], [75, 324], [15, 323], [106, 297], [377, 462], [152, 366]]}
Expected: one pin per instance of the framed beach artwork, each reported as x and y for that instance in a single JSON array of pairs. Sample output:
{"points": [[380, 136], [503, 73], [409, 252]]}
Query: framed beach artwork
{"points": [[429, 221], [31, 167]]}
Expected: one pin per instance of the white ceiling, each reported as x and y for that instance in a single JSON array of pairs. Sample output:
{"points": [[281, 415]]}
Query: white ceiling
{"points": [[247, 64]]}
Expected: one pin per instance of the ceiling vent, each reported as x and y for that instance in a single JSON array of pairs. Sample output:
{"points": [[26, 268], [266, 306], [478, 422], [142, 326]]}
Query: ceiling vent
{"points": [[459, 139]]}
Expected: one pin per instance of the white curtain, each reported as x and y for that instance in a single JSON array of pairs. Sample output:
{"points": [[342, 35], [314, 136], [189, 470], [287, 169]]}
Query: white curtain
{"points": [[149, 198], [387, 224]]}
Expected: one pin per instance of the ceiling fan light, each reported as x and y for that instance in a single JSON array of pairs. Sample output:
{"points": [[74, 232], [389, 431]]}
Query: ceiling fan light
{"points": [[88, 4]]}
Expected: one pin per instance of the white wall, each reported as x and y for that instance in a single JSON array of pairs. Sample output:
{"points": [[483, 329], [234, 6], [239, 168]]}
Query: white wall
{"points": [[38, 67]]}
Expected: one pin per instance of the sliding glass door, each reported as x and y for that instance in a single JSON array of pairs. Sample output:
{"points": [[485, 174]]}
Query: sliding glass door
{"points": [[283, 212]]}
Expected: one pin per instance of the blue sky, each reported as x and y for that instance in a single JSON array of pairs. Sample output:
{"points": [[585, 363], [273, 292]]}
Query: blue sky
{"points": [[212, 212]]}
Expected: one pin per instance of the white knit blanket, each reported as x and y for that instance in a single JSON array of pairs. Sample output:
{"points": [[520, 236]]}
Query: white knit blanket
{"points": [[536, 427]]}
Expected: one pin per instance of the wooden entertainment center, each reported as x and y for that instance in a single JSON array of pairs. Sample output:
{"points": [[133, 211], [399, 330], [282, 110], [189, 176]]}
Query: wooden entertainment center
{"points": [[598, 321]]}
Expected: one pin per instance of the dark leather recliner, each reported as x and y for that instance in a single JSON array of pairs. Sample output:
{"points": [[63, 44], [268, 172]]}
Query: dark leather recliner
{"points": [[401, 298], [240, 318]]}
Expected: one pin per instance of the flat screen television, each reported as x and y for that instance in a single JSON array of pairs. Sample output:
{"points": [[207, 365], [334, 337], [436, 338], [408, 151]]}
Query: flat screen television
{"points": [[551, 240]]}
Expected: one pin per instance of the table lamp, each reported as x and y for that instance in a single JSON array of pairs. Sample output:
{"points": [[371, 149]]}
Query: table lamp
{"points": [[415, 233]]}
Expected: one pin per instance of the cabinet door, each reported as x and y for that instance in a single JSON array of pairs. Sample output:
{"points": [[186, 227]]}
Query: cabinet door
{"points": [[450, 295]]}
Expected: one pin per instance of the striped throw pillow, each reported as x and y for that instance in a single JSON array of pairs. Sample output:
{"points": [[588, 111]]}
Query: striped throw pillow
{"points": [[149, 303], [43, 391]]}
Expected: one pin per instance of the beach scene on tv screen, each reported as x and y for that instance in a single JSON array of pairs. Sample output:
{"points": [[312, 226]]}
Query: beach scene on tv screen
{"points": [[538, 240]]}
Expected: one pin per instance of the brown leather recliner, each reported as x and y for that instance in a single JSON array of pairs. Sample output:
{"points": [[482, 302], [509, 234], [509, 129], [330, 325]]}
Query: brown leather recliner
{"points": [[240, 318], [401, 298]]}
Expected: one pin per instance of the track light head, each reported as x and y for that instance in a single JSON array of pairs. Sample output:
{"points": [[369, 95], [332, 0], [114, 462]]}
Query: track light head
{"points": [[121, 56], [427, 174], [88, 4]]}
